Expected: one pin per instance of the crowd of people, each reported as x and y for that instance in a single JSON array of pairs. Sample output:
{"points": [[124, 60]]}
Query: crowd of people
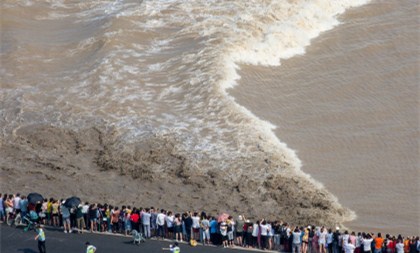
{"points": [[191, 227]]}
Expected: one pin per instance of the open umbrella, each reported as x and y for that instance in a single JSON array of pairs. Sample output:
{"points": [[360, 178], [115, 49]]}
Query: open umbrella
{"points": [[72, 202], [222, 217], [34, 198]]}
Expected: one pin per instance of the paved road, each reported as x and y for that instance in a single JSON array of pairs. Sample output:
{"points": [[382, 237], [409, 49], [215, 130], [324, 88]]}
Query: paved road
{"points": [[16, 240]]}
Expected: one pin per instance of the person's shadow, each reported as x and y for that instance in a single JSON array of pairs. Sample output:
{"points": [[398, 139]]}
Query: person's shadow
{"points": [[27, 250]]}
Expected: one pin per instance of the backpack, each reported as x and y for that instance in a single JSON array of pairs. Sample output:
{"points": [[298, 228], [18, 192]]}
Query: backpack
{"points": [[33, 215], [283, 233]]}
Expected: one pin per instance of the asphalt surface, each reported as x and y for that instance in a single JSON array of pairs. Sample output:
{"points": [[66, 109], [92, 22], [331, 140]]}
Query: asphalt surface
{"points": [[16, 240]]}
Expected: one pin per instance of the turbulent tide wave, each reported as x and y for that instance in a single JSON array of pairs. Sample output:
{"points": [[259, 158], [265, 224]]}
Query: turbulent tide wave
{"points": [[147, 72]]}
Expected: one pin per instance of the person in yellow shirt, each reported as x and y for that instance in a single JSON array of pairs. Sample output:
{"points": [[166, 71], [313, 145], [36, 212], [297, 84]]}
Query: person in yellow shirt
{"points": [[90, 248], [48, 212], [54, 213]]}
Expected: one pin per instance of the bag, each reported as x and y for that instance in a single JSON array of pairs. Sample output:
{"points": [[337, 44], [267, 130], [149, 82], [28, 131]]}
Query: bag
{"points": [[283, 234], [33, 215], [193, 242]]}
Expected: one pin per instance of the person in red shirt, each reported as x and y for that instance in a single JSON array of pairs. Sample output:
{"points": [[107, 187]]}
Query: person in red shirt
{"points": [[135, 219], [391, 245]]}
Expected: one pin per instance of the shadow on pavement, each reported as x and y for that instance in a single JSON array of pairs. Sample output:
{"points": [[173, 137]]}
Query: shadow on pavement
{"points": [[27, 250]]}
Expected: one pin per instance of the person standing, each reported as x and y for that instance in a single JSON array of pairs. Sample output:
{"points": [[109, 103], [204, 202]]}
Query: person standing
{"points": [[230, 227], [263, 234], [55, 213], [169, 220], [41, 239], [2, 213], [379, 242], [93, 217], [188, 222], [16, 203], [85, 212], [115, 219], [24, 206], [90, 248], [178, 227], [80, 220], [196, 226], [305, 240], [145, 220], [160, 222], [350, 247], [367, 240], [205, 227], [336, 238], [400, 246], [65, 213], [296, 240], [322, 240], [330, 236], [213, 230], [153, 226], [223, 232], [239, 228]]}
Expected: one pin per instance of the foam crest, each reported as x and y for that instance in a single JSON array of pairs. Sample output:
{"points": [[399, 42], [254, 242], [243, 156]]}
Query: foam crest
{"points": [[285, 36]]}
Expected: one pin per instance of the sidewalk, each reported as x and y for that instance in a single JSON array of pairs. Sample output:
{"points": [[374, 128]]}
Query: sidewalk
{"points": [[75, 231], [15, 240]]}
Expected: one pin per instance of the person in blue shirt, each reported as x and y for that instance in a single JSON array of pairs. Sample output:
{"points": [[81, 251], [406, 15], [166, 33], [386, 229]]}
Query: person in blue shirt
{"points": [[41, 239], [213, 230], [23, 206]]}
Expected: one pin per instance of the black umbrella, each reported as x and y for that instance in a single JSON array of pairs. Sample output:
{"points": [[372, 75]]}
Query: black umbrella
{"points": [[72, 202], [34, 198]]}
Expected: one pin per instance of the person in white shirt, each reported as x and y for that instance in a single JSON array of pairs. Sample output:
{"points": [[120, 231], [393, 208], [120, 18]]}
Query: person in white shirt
{"points": [[322, 240], [345, 239], [359, 240], [367, 240], [296, 240], [170, 224], [145, 220], [255, 232], [160, 222], [16, 203], [270, 236], [196, 226], [349, 247], [400, 246], [85, 210], [264, 234], [223, 232]]}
